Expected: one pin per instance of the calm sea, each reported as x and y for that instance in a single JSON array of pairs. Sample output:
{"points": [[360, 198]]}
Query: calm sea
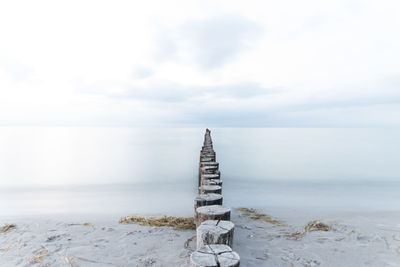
{"points": [[153, 171]]}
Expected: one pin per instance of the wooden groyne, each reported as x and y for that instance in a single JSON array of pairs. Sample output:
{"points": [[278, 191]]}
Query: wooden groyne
{"points": [[214, 230]]}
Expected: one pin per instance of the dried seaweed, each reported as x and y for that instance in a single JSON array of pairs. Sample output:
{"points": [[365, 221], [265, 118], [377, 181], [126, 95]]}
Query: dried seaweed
{"points": [[69, 260], [84, 224], [310, 227], [7, 227], [43, 252], [187, 242], [174, 222], [258, 216]]}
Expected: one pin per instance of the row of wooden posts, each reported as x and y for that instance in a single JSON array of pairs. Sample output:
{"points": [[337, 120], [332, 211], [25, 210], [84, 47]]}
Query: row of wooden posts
{"points": [[214, 229]]}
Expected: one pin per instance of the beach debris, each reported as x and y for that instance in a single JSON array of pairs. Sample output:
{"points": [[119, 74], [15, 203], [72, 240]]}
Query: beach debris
{"points": [[41, 253], [176, 223], [148, 261], [311, 227], [52, 238], [316, 226], [260, 254], [68, 260], [7, 227], [93, 261], [13, 245], [72, 261], [258, 216], [187, 242], [84, 224], [386, 242]]}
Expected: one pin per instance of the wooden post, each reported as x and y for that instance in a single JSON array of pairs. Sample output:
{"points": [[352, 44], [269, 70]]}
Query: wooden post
{"points": [[215, 232], [207, 189], [213, 212], [210, 176], [211, 182], [209, 163], [207, 154], [209, 169], [207, 158], [207, 200], [214, 256]]}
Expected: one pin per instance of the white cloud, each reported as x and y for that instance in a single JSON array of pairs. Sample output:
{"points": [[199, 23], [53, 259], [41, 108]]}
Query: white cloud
{"points": [[282, 63]]}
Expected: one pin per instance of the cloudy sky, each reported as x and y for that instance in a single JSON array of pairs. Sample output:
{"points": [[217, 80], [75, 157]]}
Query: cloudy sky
{"points": [[194, 63]]}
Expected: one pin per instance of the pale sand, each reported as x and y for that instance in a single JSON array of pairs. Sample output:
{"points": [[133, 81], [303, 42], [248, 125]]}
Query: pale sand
{"points": [[356, 239]]}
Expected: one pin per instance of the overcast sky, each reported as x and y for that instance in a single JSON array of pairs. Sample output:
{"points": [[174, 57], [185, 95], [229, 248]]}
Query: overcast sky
{"points": [[214, 63]]}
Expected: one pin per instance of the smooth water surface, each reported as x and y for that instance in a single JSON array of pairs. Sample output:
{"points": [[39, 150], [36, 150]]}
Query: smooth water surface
{"points": [[154, 171]]}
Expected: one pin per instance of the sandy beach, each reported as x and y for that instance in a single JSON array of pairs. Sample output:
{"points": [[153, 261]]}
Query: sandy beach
{"points": [[353, 239], [190, 133]]}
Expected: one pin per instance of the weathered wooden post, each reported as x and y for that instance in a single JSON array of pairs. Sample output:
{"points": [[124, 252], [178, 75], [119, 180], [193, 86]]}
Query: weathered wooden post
{"points": [[215, 232], [209, 169], [209, 163], [211, 182], [214, 256], [210, 176], [207, 158], [212, 212], [208, 189], [206, 200]]}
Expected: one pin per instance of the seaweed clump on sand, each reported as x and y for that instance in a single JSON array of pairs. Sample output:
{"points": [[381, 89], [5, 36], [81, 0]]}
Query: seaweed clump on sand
{"points": [[7, 227], [41, 253], [310, 227], [258, 216], [176, 223]]}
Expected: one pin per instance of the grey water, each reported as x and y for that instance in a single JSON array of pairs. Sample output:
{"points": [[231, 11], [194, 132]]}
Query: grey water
{"points": [[89, 170]]}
